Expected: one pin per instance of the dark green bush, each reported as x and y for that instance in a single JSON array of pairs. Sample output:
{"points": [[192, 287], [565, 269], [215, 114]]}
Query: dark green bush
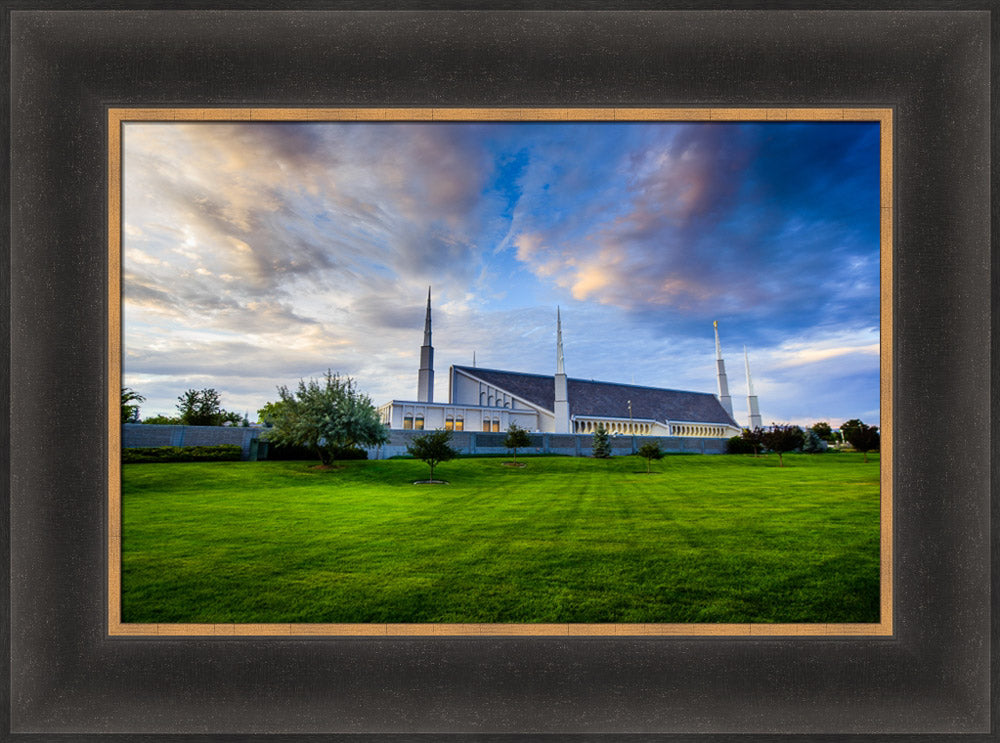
{"points": [[146, 454], [739, 445]]}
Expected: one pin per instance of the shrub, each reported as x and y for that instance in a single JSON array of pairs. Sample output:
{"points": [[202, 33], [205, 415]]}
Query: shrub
{"points": [[147, 454], [275, 452], [739, 445]]}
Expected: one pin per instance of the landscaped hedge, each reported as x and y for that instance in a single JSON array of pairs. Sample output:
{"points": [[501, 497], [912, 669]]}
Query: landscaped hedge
{"points": [[145, 454], [273, 452]]}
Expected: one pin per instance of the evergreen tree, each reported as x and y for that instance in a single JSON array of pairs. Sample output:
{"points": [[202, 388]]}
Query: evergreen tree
{"points": [[602, 442]]}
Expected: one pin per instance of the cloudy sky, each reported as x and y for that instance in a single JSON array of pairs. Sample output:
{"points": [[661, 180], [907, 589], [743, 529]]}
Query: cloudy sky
{"points": [[256, 254]]}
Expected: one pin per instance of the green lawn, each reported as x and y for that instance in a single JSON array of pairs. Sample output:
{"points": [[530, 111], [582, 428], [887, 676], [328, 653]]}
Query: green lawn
{"points": [[702, 539]]}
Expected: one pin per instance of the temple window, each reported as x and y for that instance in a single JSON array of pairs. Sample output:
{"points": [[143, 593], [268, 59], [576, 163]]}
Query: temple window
{"points": [[408, 422], [418, 423], [460, 424], [449, 424]]}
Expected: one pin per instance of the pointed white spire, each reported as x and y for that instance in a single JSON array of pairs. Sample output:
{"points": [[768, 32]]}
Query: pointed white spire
{"points": [[753, 408], [425, 376], [561, 409], [427, 320], [560, 363], [724, 399], [473, 359]]}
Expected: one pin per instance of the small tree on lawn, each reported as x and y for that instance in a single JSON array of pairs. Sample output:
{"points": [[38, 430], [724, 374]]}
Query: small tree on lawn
{"points": [[517, 438], [754, 439], [649, 452], [602, 442], [783, 438], [325, 417], [864, 438], [432, 448]]}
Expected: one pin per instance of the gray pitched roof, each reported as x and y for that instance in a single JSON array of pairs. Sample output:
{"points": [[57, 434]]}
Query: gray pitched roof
{"points": [[608, 399]]}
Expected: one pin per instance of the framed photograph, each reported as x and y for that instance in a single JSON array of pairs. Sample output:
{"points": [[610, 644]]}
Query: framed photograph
{"points": [[242, 231], [208, 205]]}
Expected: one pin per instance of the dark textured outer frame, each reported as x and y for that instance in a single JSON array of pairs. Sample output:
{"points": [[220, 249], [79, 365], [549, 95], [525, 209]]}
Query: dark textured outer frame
{"points": [[932, 677]]}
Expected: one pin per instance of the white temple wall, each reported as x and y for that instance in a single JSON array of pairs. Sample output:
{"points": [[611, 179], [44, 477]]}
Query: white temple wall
{"points": [[432, 416]]}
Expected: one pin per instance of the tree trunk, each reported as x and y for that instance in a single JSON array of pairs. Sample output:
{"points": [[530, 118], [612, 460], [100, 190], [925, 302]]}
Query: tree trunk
{"points": [[432, 472], [648, 463], [781, 462], [515, 456], [866, 456]]}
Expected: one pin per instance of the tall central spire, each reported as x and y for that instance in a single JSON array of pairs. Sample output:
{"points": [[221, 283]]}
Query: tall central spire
{"points": [[724, 399], [561, 407], [425, 377], [560, 362], [427, 320], [752, 406]]}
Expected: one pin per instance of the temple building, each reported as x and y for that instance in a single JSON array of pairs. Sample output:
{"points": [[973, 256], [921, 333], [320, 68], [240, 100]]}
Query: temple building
{"points": [[491, 399]]}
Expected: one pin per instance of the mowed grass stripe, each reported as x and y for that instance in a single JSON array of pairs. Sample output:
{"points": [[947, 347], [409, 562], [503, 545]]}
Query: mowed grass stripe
{"points": [[563, 540]]}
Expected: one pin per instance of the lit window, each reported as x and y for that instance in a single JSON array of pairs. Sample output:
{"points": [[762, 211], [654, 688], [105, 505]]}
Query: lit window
{"points": [[496, 426], [449, 424], [408, 422], [459, 424], [419, 423]]}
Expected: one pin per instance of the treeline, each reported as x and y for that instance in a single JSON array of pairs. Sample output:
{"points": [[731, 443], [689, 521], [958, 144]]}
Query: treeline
{"points": [[780, 438]]}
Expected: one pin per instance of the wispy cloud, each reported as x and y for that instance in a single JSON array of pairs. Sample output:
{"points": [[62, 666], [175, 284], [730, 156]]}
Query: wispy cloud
{"points": [[258, 253]]}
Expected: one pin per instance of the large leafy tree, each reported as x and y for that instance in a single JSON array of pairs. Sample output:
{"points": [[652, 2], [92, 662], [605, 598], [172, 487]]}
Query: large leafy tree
{"points": [[432, 448], [325, 416], [516, 438], [201, 407], [848, 427], [130, 410], [780, 439], [864, 438], [823, 430]]}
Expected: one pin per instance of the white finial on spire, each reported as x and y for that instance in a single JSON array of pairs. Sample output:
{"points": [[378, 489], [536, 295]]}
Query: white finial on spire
{"points": [[473, 359], [718, 346]]}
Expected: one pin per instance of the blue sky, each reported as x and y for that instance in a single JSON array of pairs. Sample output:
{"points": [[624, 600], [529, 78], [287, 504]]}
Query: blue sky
{"points": [[258, 254]]}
